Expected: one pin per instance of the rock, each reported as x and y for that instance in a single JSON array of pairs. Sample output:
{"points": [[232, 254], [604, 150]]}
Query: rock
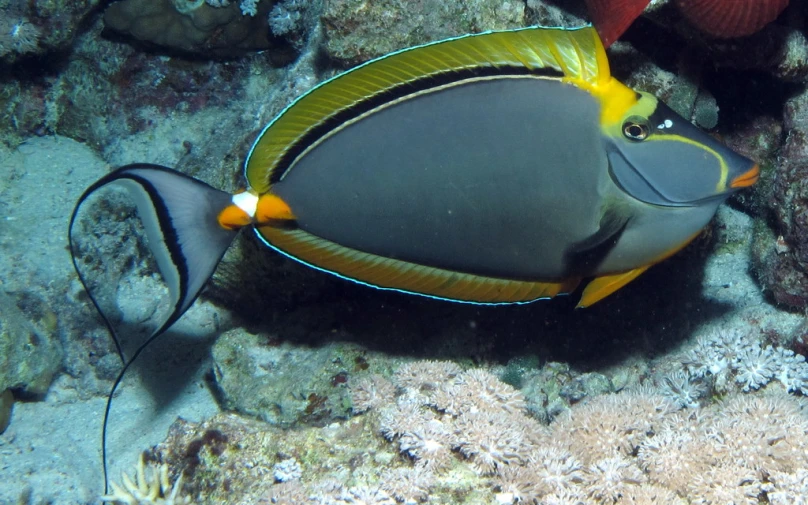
{"points": [[6, 406], [194, 28], [357, 31], [782, 255], [282, 383], [28, 358]]}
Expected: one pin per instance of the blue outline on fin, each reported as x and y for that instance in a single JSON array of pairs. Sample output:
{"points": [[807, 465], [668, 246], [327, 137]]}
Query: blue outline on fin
{"points": [[345, 277], [434, 42]]}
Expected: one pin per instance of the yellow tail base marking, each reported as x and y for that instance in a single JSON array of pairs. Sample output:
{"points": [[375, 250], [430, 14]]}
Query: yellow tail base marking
{"points": [[272, 208]]}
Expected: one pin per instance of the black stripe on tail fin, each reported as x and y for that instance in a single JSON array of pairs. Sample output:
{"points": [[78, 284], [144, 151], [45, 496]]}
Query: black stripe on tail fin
{"points": [[179, 214]]}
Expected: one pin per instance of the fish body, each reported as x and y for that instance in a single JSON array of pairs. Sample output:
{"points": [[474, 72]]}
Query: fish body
{"points": [[501, 167], [493, 168]]}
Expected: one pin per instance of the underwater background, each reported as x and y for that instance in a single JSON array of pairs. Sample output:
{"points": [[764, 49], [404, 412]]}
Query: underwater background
{"points": [[286, 385]]}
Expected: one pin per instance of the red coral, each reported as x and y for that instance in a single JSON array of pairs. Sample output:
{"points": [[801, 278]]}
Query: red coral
{"points": [[731, 18]]}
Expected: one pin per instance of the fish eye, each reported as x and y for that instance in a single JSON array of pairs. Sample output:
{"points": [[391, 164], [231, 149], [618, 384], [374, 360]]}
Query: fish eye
{"points": [[635, 130]]}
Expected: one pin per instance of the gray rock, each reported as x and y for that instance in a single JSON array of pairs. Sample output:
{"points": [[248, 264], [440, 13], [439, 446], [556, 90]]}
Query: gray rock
{"points": [[588, 384], [6, 406], [282, 383], [28, 358]]}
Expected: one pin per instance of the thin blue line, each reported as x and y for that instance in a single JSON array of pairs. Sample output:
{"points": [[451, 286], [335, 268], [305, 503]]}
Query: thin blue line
{"points": [[374, 60], [341, 276]]}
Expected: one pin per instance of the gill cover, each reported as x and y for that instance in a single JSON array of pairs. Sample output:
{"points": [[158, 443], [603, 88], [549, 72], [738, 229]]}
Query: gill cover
{"points": [[658, 157]]}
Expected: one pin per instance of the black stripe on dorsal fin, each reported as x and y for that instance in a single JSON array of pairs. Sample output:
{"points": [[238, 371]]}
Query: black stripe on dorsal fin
{"points": [[576, 54], [179, 214]]}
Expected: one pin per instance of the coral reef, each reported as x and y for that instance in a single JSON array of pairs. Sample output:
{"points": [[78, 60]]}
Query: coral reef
{"points": [[784, 268], [565, 420], [34, 28], [465, 437]]}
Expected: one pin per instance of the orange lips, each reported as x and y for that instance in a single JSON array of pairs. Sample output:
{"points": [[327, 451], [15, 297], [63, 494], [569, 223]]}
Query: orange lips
{"points": [[746, 179]]}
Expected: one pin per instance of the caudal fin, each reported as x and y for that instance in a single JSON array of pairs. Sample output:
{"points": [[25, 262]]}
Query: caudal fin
{"points": [[180, 216]]}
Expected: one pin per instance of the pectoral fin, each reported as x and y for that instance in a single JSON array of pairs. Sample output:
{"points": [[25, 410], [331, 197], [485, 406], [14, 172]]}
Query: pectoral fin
{"points": [[583, 257]]}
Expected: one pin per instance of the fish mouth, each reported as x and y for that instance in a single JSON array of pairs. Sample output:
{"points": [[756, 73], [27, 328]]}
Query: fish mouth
{"points": [[747, 178]]}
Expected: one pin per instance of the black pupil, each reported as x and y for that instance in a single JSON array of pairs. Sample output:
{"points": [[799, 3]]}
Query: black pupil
{"points": [[635, 130]]}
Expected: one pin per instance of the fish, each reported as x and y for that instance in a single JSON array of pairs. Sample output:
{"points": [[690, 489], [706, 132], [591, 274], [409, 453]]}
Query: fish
{"points": [[496, 168]]}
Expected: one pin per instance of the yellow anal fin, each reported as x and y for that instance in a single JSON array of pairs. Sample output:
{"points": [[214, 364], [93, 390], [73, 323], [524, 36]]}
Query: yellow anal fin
{"points": [[389, 273], [601, 287]]}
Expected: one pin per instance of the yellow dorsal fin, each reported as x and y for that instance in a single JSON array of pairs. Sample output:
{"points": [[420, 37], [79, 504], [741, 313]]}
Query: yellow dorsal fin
{"points": [[576, 54]]}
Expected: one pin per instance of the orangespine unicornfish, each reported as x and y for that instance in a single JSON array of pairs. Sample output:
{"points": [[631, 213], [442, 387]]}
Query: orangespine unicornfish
{"points": [[502, 167]]}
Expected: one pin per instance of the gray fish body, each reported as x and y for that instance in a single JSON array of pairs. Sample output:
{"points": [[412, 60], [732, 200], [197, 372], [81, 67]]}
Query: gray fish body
{"points": [[493, 177], [653, 232], [498, 177]]}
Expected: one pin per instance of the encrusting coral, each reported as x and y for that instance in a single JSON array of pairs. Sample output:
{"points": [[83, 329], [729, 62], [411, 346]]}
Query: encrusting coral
{"points": [[150, 486], [640, 446], [439, 434]]}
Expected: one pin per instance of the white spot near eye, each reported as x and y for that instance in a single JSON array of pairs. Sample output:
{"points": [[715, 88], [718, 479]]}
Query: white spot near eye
{"points": [[665, 124]]}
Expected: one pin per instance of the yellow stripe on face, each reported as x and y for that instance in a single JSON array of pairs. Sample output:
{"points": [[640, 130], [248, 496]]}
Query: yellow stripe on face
{"points": [[404, 276]]}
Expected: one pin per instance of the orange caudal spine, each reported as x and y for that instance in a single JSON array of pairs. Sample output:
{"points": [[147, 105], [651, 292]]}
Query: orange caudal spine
{"points": [[233, 217]]}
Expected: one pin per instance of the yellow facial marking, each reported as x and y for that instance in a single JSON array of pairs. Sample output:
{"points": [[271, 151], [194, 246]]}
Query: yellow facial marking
{"points": [[616, 100]]}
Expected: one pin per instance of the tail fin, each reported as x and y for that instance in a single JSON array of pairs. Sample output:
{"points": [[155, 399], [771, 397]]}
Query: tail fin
{"points": [[180, 215]]}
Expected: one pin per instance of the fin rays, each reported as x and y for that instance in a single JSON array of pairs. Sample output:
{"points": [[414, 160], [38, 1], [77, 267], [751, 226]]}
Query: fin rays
{"points": [[388, 273], [179, 216], [573, 53]]}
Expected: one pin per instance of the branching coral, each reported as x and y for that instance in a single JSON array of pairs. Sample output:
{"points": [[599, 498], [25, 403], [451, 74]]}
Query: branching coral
{"points": [[430, 444], [609, 479], [408, 484], [425, 375], [612, 425], [149, 486]]}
